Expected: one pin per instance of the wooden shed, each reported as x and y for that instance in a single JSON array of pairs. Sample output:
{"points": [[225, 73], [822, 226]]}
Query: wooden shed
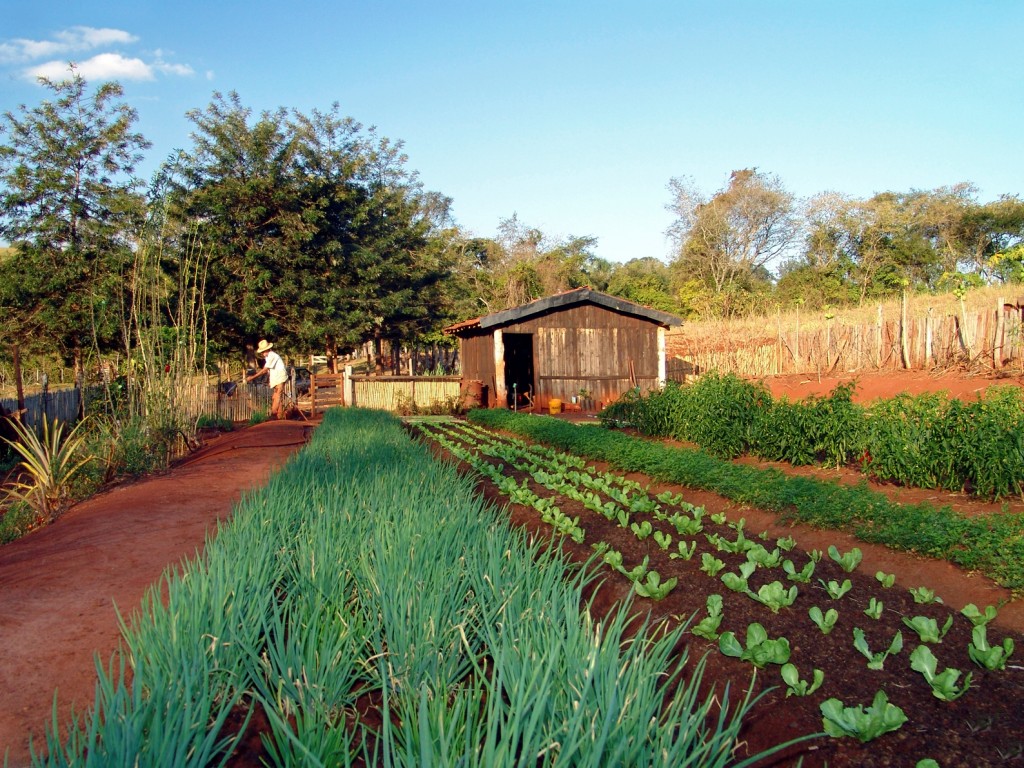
{"points": [[581, 346]]}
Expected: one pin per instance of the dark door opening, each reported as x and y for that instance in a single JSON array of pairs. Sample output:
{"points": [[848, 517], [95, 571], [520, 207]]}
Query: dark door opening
{"points": [[519, 384]]}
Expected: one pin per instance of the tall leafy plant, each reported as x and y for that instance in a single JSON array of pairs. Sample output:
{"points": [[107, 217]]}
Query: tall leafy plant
{"points": [[50, 463]]}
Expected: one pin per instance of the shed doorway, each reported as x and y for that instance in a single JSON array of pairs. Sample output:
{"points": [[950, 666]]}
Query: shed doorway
{"points": [[519, 385]]}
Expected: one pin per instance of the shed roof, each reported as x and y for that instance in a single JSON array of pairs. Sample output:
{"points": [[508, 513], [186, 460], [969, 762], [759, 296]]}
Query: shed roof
{"points": [[563, 301]]}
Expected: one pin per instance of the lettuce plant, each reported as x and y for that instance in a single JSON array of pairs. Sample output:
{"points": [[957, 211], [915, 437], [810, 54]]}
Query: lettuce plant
{"points": [[826, 621], [803, 576], [835, 589], [786, 543], [928, 629], [685, 552], [848, 561], [924, 596], [885, 579], [764, 558], [863, 724], [672, 500], [642, 530], [686, 526], [760, 650], [708, 626], [876, 660], [797, 687], [664, 540], [985, 655], [976, 617], [710, 564], [738, 582], [874, 609], [776, 596], [653, 587], [943, 683]]}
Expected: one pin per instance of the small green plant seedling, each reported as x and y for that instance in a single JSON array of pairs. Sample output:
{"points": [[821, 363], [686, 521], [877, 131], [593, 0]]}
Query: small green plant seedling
{"points": [[863, 724], [672, 499], [815, 555], [776, 596], [642, 529], [738, 582], [764, 558], [613, 558], [708, 626], [786, 543], [976, 617], [874, 609], [848, 561], [835, 589], [653, 587], [710, 564], [928, 629], [924, 596], [802, 576], [664, 540], [760, 650], [885, 579], [685, 552], [876, 660], [797, 687], [826, 621], [943, 684], [992, 657], [686, 526], [718, 518]]}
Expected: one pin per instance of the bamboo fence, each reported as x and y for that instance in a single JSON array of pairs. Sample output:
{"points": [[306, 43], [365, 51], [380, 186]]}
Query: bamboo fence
{"points": [[405, 393], [977, 339]]}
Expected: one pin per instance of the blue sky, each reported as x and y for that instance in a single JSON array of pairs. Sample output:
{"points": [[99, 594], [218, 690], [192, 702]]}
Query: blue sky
{"points": [[575, 115]]}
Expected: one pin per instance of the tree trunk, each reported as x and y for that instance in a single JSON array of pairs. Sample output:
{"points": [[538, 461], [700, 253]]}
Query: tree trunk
{"points": [[19, 386]]}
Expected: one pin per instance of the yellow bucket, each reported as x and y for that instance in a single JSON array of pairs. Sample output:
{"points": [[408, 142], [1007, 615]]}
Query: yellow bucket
{"points": [[554, 406]]}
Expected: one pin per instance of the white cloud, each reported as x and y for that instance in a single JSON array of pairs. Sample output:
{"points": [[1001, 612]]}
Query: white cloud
{"points": [[104, 66], [73, 40], [183, 70]]}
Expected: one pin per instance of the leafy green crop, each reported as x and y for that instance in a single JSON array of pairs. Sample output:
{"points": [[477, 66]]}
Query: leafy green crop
{"points": [[835, 589], [803, 576], [776, 596], [885, 579], [943, 683], [797, 687], [876, 660], [924, 596], [863, 724], [848, 561], [928, 629], [874, 609], [760, 649], [976, 617], [985, 655], [708, 626], [826, 621]]}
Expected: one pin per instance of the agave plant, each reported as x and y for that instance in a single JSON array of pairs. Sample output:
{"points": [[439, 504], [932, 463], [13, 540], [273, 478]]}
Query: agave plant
{"points": [[51, 463]]}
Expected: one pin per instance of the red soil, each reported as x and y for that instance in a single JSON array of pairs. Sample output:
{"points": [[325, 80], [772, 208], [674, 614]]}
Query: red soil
{"points": [[64, 585]]}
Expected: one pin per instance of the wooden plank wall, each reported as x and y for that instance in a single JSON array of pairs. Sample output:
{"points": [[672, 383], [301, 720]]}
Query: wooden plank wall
{"points": [[588, 347]]}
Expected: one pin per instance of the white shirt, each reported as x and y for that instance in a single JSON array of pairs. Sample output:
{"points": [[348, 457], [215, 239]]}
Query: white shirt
{"points": [[276, 366]]}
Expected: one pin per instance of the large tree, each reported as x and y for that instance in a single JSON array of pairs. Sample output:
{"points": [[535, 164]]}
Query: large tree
{"points": [[730, 239], [70, 206]]}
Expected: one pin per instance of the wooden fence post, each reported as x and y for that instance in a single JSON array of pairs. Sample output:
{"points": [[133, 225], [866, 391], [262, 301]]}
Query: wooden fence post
{"points": [[348, 393], [997, 345]]}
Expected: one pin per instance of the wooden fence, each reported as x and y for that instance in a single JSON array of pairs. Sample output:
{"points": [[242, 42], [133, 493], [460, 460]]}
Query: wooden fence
{"points": [[988, 339], [191, 399], [61, 404], [399, 394]]}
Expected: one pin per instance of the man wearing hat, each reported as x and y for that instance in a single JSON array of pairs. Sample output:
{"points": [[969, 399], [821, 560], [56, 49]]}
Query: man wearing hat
{"points": [[274, 368]]}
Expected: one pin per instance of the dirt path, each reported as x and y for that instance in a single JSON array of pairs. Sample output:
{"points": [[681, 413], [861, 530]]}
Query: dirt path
{"points": [[59, 586]]}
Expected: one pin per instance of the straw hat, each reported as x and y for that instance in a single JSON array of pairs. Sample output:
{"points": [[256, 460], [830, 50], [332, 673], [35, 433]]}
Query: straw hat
{"points": [[264, 346]]}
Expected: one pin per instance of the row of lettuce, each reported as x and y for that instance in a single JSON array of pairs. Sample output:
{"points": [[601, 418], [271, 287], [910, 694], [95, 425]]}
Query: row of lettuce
{"points": [[992, 545], [367, 576], [775, 575], [926, 441]]}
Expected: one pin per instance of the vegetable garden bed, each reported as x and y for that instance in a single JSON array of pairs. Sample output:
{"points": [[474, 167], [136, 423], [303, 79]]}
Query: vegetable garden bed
{"points": [[914, 650]]}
